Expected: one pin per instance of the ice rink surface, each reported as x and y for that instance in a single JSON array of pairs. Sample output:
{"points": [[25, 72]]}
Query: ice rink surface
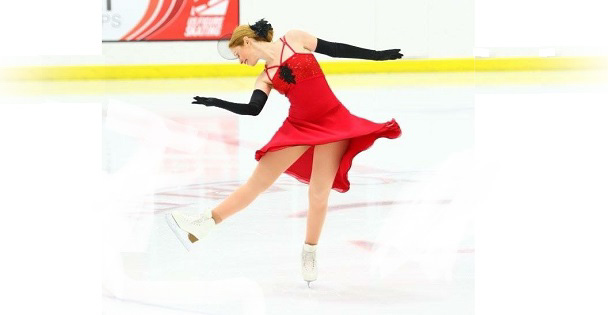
{"points": [[400, 241]]}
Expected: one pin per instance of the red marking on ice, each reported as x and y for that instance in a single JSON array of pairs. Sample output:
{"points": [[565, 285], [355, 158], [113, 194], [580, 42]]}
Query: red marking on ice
{"points": [[368, 204], [367, 245]]}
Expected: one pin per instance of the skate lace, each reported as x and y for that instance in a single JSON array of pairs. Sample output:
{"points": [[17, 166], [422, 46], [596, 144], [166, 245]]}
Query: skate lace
{"points": [[199, 221], [309, 260]]}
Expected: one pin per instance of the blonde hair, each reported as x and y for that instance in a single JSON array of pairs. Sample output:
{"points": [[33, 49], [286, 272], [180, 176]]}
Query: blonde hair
{"points": [[237, 38]]}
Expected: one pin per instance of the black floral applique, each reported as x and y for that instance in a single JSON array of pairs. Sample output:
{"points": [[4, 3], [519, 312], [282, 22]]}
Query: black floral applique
{"points": [[286, 74]]}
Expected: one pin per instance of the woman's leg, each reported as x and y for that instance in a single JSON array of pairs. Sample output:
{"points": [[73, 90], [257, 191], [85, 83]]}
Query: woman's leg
{"points": [[269, 168], [326, 159]]}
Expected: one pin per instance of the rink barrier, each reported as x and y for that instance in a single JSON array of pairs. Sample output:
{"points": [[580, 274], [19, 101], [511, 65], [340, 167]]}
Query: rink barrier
{"points": [[182, 71]]}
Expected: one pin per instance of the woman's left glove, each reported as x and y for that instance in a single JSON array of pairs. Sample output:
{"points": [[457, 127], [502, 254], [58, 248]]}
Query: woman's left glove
{"points": [[342, 50], [389, 54]]}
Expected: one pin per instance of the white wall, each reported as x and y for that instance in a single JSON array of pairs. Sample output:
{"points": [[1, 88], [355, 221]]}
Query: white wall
{"points": [[421, 28], [431, 28]]}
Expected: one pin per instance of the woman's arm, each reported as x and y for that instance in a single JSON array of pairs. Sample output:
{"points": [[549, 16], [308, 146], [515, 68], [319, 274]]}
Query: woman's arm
{"points": [[254, 107], [333, 49]]}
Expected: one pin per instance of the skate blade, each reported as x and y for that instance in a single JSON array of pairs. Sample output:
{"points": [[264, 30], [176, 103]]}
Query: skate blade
{"points": [[187, 239]]}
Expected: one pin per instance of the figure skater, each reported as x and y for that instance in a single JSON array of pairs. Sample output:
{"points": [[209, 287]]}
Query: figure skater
{"points": [[316, 142]]}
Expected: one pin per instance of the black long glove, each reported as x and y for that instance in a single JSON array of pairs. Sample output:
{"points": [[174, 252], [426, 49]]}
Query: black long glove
{"points": [[348, 51], [257, 102]]}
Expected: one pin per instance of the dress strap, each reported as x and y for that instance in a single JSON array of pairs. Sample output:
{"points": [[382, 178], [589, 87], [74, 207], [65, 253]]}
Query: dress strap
{"points": [[285, 42], [268, 76], [283, 39], [281, 53]]}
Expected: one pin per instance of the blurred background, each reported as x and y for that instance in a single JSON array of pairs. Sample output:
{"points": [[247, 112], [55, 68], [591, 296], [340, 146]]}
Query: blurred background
{"points": [[400, 241]]}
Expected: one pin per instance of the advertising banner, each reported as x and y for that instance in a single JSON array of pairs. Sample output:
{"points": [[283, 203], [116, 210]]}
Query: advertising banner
{"points": [[168, 20]]}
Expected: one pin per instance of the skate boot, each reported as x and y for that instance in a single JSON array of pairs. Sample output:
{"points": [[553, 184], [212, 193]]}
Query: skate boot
{"points": [[190, 228], [309, 266]]}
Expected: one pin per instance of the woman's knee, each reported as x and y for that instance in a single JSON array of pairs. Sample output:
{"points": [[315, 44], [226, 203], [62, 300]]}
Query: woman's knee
{"points": [[260, 182], [318, 195], [326, 161]]}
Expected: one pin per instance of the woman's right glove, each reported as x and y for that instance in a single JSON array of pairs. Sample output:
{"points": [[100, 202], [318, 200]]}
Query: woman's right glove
{"points": [[257, 102]]}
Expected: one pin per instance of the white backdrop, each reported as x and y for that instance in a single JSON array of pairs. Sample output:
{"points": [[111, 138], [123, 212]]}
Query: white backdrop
{"points": [[422, 28], [432, 28]]}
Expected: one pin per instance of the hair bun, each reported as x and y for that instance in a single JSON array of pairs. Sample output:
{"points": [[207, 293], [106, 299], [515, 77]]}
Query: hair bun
{"points": [[261, 28]]}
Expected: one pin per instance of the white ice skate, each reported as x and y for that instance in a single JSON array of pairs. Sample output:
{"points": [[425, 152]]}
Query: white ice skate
{"points": [[309, 266], [190, 228]]}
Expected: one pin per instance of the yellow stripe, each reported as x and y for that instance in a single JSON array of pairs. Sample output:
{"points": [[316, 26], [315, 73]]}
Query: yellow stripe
{"points": [[123, 72], [346, 82]]}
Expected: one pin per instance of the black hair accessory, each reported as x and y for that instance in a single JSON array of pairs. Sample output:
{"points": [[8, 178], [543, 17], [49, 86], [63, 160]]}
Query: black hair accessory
{"points": [[261, 28]]}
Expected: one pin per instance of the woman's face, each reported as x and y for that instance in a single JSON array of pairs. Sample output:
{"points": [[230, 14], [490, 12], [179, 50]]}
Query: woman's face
{"points": [[245, 54]]}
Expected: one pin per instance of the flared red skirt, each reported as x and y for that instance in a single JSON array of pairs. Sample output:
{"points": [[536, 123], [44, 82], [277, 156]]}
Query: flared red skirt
{"points": [[337, 124]]}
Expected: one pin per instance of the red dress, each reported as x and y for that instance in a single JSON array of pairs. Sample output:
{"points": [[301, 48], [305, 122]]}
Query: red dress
{"points": [[316, 116]]}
